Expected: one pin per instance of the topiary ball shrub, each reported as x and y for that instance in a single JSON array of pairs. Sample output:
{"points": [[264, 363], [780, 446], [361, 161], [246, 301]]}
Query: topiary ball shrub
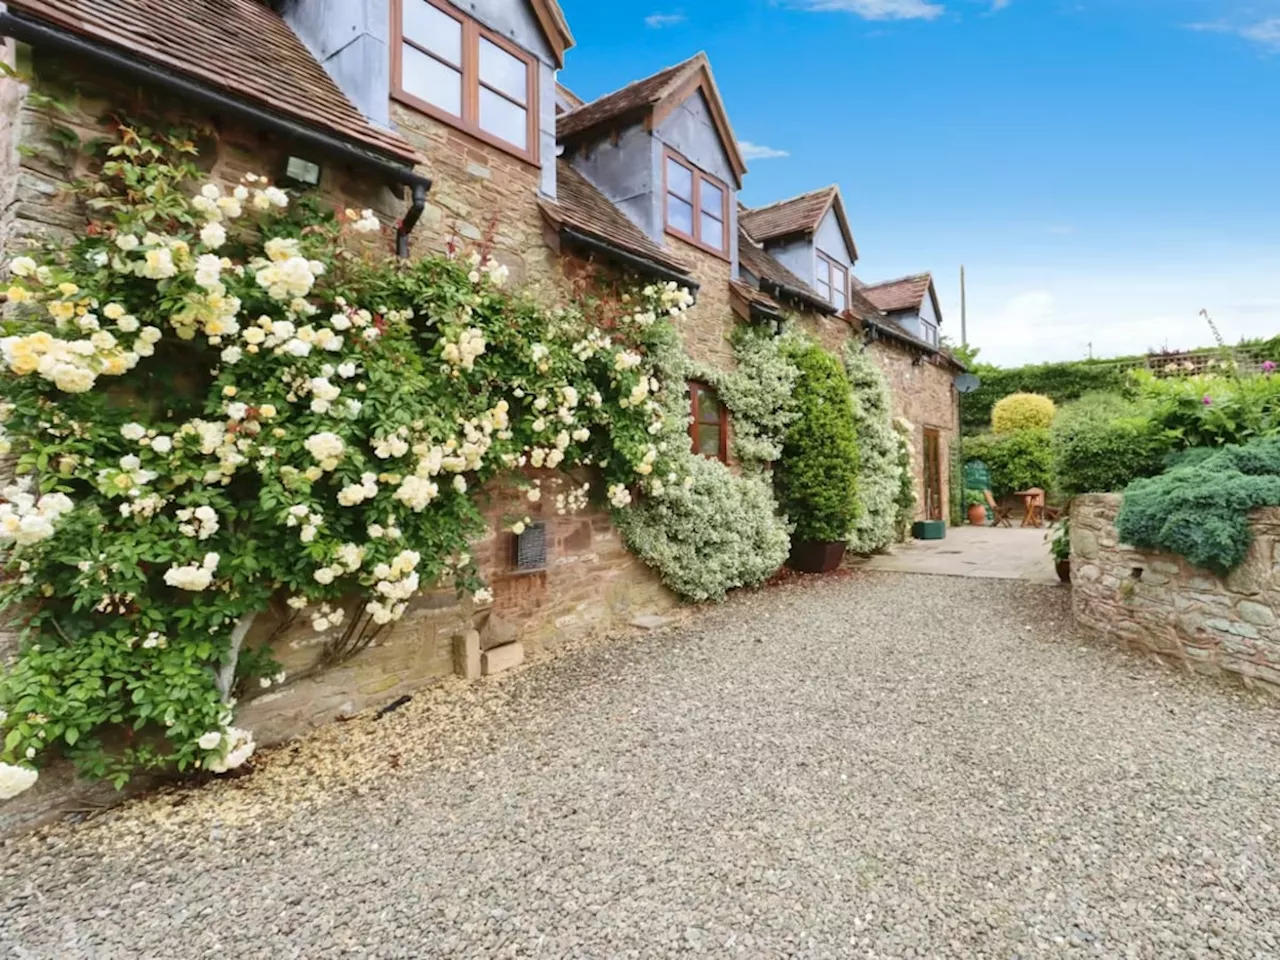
{"points": [[1200, 510], [817, 478], [1103, 442], [1022, 411]]}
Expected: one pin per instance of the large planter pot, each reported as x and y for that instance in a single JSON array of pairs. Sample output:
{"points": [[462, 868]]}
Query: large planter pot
{"points": [[1064, 570], [978, 515], [816, 556]]}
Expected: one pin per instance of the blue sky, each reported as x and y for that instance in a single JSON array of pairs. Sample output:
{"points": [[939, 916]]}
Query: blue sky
{"points": [[1105, 169]]}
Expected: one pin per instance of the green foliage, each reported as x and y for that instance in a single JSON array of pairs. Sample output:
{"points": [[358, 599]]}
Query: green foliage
{"points": [[1101, 442], [817, 479], [1061, 382], [879, 473], [1022, 411], [975, 498], [905, 499], [1019, 460], [1211, 410], [1200, 509], [1059, 537], [295, 416], [722, 532]]}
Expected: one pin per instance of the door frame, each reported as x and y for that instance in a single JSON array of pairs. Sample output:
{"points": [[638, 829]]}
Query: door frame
{"points": [[932, 474]]}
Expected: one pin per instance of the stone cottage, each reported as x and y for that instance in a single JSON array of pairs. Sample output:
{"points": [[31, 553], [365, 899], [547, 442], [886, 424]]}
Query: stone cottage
{"points": [[446, 118]]}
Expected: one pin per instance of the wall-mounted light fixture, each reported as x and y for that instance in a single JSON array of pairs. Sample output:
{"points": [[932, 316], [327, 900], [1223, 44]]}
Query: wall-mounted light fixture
{"points": [[300, 172]]}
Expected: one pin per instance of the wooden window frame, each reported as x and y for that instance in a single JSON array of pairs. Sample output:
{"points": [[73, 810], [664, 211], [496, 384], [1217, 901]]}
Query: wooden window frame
{"points": [[469, 122], [697, 176], [835, 266], [694, 424]]}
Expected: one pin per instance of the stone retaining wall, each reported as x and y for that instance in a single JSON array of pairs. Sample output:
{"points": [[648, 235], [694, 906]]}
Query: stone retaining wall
{"points": [[1159, 602]]}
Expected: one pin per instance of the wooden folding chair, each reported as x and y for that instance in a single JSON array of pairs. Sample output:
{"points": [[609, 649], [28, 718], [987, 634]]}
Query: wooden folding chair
{"points": [[1001, 514]]}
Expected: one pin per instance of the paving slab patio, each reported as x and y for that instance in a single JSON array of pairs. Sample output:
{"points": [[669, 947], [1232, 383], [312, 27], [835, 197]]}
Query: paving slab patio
{"points": [[996, 553]]}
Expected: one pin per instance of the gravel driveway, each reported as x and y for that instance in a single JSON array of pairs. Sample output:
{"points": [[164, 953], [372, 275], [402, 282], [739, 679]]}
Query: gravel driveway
{"points": [[878, 765]]}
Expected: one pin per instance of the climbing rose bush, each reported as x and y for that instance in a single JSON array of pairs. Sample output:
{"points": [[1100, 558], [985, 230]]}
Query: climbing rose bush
{"points": [[219, 396]]}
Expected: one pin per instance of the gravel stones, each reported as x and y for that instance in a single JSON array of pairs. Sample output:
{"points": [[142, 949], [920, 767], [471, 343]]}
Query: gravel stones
{"points": [[862, 766]]}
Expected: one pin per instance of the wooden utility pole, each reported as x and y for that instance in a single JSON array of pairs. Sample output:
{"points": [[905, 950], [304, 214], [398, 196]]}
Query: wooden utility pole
{"points": [[964, 312]]}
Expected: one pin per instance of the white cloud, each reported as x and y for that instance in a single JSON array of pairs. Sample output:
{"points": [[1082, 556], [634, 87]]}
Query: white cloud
{"points": [[755, 151], [1263, 32], [659, 20], [998, 5], [879, 9]]}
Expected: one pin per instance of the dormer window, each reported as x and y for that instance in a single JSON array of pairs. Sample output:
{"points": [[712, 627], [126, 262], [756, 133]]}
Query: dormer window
{"points": [[697, 205], [832, 281], [447, 65]]}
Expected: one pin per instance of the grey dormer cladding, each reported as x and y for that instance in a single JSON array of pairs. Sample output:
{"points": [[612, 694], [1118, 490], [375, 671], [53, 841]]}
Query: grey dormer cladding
{"points": [[627, 167], [798, 254], [351, 39]]}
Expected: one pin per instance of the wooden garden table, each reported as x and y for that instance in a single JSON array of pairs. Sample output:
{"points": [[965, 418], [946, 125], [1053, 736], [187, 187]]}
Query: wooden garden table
{"points": [[1033, 503]]}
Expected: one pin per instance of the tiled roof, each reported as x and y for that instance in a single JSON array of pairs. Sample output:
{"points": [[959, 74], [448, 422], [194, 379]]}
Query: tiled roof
{"points": [[651, 97], [861, 307], [641, 95], [905, 293], [240, 47], [753, 297], [787, 218], [580, 205]]}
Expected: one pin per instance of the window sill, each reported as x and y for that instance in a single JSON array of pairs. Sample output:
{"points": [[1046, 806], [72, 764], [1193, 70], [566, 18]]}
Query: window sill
{"points": [[693, 242]]}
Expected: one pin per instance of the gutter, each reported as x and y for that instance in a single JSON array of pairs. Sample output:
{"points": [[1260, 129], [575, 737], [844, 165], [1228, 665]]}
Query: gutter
{"points": [[570, 235], [43, 35], [795, 293]]}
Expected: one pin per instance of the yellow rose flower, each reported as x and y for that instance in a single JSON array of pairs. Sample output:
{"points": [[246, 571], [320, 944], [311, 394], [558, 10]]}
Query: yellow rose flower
{"points": [[18, 294], [61, 310]]}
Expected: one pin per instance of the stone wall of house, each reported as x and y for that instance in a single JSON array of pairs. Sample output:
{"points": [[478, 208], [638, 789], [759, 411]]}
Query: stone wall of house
{"points": [[706, 327], [924, 394], [1160, 603]]}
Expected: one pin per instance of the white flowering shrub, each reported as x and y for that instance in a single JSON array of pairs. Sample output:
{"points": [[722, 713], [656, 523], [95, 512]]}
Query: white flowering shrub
{"points": [[218, 396], [879, 472], [721, 532]]}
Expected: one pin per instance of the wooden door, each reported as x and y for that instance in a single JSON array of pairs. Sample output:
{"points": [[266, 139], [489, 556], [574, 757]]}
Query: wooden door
{"points": [[932, 474]]}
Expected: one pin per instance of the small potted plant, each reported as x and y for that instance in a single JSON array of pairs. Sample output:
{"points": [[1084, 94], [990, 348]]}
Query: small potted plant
{"points": [[817, 477], [1059, 537], [977, 504]]}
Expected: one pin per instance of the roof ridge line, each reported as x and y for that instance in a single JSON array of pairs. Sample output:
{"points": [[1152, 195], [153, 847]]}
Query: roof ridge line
{"points": [[798, 196], [633, 83]]}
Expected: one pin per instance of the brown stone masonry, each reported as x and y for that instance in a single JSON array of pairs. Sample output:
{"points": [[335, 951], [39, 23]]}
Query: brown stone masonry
{"points": [[1160, 603]]}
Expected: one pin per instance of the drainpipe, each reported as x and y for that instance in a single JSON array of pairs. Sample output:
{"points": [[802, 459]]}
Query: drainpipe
{"points": [[410, 219], [42, 35]]}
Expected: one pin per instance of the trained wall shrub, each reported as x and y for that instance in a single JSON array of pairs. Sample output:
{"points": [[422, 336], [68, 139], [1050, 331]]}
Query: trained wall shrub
{"points": [[1103, 442], [1019, 460], [817, 478], [1200, 508], [879, 472], [1022, 411]]}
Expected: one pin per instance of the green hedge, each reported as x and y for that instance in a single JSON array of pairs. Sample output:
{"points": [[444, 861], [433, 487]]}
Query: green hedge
{"points": [[1102, 442], [1200, 508], [1018, 461], [1061, 382], [817, 478]]}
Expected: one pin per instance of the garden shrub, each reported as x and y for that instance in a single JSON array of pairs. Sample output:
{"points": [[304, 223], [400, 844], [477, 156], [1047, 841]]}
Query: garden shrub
{"points": [[1210, 410], [1061, 382], [1200, 509], [879, 472], [1022, 411], [817, 478], [1019, 460], [722, 532], [218, 397], [905, 498], [1102, 442]]}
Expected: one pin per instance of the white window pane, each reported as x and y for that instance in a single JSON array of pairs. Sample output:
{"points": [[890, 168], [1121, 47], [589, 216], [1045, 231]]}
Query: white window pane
{"points": [[679, 214], [430, 80], [680, 181], [504, 119], [824, 289], [502, 71], [711, 199], [824, 271], [433, 30], [712, 232], [837, 297]]}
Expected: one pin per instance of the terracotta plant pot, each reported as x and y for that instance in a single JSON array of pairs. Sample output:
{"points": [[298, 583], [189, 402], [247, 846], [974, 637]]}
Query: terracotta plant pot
{"points": [[816, 556], [1064, 570], [978, 515]]}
